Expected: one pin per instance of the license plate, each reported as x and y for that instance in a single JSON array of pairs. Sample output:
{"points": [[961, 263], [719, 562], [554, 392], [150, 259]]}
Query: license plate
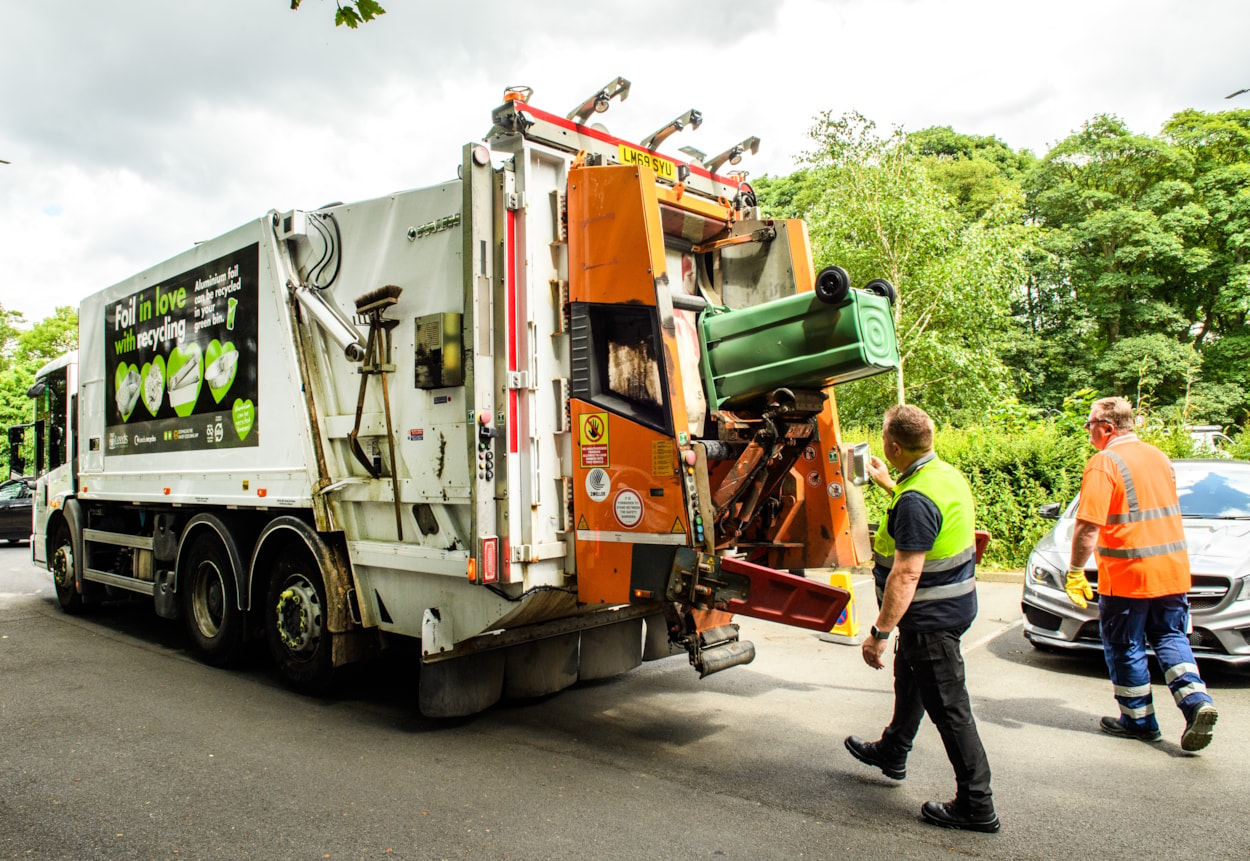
{"points": [[663, 168]]}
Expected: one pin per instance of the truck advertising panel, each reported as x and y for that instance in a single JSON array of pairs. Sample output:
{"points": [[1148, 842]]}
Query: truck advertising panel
{"points": [[181, 360]]}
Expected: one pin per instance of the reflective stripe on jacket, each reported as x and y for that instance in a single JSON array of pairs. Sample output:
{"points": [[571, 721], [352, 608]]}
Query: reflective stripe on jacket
{"points": [[946, 594], [1141, 550]]}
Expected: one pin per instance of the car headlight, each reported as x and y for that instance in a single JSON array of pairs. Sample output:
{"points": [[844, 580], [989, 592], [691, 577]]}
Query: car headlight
{"points": [[1038, 573]]}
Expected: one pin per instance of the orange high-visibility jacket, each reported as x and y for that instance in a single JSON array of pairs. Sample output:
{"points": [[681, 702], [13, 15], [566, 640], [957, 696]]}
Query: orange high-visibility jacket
{"points": [[1129, 489]]}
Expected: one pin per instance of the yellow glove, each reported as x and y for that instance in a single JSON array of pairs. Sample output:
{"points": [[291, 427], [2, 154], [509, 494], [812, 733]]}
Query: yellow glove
{"points": [[1078, 588]]}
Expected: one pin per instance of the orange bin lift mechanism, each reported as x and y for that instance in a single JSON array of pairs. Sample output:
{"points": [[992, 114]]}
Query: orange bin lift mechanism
{"points": [[825, 526], [813, 529], [628, 491]]}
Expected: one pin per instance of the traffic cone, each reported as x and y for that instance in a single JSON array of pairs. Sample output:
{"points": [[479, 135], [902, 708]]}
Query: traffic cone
{"points": [[846, 629]]}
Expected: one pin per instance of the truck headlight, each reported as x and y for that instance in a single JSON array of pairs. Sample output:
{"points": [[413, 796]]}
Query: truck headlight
{"points": [[1038, 573]]}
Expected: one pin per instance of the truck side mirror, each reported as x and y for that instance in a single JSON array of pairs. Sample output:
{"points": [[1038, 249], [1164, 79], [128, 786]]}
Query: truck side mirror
{"points": [[860, 454], [1049, 511]]}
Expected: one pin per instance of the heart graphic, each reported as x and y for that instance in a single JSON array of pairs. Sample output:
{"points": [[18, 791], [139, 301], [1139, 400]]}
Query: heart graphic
{"points": [[184, 377], [221, 363], [244, 415], [153, 378], [127, 386]]}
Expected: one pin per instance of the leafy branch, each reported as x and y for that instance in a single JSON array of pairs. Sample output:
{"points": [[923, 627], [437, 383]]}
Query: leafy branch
{"points": [[353, 13]]}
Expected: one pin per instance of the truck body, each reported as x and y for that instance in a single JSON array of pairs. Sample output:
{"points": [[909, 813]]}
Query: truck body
{"points": [[568, 411]]}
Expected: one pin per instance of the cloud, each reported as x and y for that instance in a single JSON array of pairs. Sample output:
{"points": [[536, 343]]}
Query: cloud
{"points": [[136, 130]]}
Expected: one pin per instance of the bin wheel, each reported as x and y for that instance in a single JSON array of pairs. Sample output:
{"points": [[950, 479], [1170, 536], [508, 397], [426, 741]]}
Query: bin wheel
{"points": [[833, 285], [881, 287]]}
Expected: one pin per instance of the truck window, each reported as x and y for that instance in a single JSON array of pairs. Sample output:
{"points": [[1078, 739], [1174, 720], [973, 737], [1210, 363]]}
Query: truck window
{"points": [[619, 368], [50, 413]]}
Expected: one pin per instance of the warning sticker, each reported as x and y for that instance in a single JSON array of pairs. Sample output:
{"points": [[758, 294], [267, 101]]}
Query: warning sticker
{"points": [[809, 453], [662, 457], [593, 439], [813, 479], [628, 508], [598, 485], [677, 529], [835, 490]]}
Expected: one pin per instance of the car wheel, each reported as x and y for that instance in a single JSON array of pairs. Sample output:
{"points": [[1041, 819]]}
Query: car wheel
{"points": [[210, 608]]}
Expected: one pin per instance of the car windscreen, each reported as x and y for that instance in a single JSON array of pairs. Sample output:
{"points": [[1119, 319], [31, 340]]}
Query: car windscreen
{"points": [[1214, 490]]}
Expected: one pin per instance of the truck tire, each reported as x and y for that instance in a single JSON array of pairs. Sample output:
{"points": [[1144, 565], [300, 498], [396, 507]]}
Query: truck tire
{"points": [[295, 624], [64, 575], [209, 605]]}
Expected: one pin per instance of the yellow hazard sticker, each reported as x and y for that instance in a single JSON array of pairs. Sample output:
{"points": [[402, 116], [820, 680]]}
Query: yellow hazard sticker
{"points": [[663, 168], [593, 439], [677, 529]]}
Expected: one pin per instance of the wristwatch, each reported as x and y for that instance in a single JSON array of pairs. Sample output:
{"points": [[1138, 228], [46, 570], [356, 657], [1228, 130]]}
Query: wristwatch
{"points": [[878, 634]]}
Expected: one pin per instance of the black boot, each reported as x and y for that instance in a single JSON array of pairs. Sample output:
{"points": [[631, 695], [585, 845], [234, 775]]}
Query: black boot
{"points": [[893, 765], [947, 814]]}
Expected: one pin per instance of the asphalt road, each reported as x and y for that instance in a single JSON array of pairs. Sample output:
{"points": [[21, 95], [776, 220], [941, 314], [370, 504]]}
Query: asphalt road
{"points": [[115, 744]]}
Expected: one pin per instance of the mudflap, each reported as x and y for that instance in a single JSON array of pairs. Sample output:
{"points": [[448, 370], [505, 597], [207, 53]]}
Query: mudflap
{"points": [[461, 686], [610, 650]]}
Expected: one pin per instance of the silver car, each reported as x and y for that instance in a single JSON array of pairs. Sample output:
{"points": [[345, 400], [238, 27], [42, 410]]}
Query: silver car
{"points": [[1215, 504]]}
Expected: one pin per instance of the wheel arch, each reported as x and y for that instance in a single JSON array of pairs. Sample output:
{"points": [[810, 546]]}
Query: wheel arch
{"points": [[69, 517], [227, 532], [329, 556]]}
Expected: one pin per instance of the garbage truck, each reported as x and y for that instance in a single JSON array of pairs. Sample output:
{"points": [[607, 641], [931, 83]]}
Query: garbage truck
{"points": [[568, 411]]}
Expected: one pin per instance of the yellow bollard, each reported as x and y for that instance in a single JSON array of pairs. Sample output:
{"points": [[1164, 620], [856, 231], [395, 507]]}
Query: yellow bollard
{"points": [[846, 629]]}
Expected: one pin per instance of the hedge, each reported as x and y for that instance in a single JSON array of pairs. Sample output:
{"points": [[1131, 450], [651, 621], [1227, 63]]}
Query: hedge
{"points": [[1012, 471]]}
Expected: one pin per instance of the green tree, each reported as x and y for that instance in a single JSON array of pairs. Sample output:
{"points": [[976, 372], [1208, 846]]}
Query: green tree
{"points": [[873, 208], [979, 173], [22, 354], [353, 13], [1144, 240]]}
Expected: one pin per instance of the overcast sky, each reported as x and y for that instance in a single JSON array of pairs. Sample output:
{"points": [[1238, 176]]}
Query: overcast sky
{"points": [[136, 128]]}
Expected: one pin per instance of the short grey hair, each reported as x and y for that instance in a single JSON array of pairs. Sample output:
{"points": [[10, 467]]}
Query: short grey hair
{"points": [[1118, 411]]}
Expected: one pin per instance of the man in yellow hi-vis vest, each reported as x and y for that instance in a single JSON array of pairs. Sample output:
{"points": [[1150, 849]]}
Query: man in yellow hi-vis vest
{"points": [[925, 554]]}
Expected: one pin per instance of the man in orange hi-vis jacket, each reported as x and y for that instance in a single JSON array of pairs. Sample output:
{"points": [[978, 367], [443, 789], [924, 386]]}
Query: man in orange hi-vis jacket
{"points": [[1130, 518]]}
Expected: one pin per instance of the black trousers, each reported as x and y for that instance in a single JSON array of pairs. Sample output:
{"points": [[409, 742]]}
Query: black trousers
{"points": [[929, 679]]}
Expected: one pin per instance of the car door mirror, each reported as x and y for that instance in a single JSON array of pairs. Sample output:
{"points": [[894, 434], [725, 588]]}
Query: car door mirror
{"points": [[1050, 511]]}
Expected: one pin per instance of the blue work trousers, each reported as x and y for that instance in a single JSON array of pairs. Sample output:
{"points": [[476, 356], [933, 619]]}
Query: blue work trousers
{"points": [[1128, 625]]}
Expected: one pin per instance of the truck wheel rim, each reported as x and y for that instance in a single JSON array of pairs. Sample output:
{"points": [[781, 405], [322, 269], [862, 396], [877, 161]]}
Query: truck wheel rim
{"points": [[299, 616], [63, 566], [208, 600]]}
